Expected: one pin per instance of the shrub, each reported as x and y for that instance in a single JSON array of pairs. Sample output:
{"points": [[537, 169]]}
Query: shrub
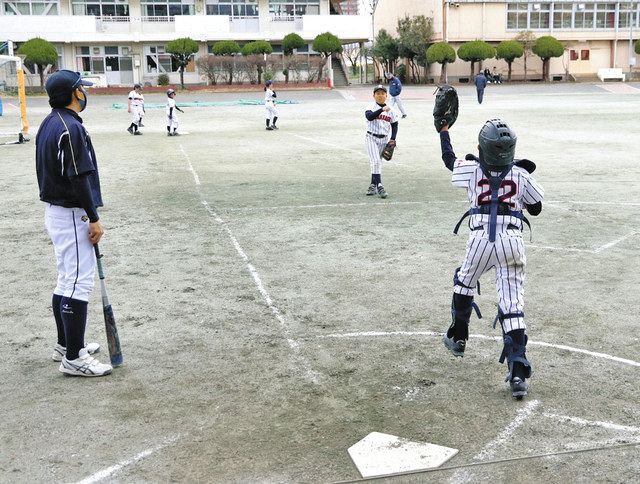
{"points": [[163, 80]]}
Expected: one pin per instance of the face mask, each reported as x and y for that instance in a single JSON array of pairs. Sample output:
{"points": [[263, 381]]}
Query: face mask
{"points": [[82, 102]]}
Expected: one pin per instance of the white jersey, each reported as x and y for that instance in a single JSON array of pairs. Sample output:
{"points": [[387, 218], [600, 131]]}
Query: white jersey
{"points": [[269, 96], [382, 124], [137, 99], [171, 103], [517, 189]]}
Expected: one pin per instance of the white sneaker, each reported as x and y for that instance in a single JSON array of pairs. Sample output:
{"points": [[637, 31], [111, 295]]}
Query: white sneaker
{"points": [[60, 351], [84, 365]]}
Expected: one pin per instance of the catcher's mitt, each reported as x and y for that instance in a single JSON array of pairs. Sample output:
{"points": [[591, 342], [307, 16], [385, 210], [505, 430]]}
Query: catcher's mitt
{"points": [[445, 110], [387, 152]]}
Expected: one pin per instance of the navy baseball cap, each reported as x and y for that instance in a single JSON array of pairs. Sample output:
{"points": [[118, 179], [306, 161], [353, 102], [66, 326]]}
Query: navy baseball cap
{"points": [[379, 87], [63, 82]]}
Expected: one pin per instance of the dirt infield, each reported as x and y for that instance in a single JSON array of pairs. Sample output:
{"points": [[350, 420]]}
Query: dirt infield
{"points": [[271, 315]]}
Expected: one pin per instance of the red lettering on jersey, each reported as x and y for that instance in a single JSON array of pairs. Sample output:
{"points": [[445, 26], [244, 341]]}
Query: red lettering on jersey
{"points": [[384, 117], [485, 197]]}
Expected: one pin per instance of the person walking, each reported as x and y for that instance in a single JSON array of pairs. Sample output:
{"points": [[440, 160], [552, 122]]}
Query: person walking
{"points": [[481, 82]]}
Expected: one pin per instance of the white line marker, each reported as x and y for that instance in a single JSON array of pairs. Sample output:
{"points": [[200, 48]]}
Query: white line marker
{"points": [[335, 205], [591, 423], [523, 414], [561, 249], [587, 202], [615, 242], [341, 148], [489, 450], [293, 344], [571, 349], [109, 471]]}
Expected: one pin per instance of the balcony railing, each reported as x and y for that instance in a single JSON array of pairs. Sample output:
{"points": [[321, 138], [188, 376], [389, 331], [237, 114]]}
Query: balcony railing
{"points": [[160, 18], [113, 18]]}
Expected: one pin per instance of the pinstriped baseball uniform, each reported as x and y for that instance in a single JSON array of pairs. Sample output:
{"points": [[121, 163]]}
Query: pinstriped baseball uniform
{"points": [[269, 104], [506, 255], [378, 134], [137, 103]]}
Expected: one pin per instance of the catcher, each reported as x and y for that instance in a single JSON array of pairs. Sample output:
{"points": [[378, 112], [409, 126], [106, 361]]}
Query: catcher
{"points": [[499, 189], [382, 129]]}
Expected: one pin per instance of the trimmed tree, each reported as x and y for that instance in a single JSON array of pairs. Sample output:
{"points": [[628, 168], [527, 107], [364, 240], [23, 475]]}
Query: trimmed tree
{"points": [[509, 50], [385, 50], [290, 43], [476, 51], [182, 51], [527, 39], [441, 53], [39, 52], [547, 47], [637, 47], [327, 44], [255, 53], [227, 49], [414, 36]]}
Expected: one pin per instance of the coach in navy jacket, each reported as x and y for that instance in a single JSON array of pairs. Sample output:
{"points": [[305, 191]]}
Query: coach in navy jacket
{"points": [[395, 88]]}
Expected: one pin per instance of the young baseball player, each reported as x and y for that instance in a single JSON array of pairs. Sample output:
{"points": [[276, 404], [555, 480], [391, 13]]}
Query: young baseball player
{"points": [[136, 109], [395, 88], [172, 118], [270, 105], [382, 127], [499, 189], [69, 185]]}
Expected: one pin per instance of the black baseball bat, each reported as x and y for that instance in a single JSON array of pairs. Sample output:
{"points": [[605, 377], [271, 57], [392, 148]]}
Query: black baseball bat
{"points": [[113, 340]]}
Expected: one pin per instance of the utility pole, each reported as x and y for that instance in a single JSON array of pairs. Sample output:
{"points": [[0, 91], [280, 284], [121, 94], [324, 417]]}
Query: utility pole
{"points": [[373, 4], [632, 57]]}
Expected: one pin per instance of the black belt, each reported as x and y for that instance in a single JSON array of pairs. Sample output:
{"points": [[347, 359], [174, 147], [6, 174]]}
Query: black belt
{"points": [[509, 227], [377, 135]]}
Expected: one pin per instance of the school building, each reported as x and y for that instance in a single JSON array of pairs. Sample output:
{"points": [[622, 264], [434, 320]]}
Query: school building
{"points": [[119, 42], [597, 34]]}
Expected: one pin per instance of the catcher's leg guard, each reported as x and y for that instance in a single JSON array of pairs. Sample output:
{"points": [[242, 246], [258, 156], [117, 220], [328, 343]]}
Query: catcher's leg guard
{"points": [[458, 332], [514, 351]]}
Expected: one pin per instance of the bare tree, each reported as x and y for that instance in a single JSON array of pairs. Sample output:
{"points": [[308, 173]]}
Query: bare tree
{"points": [[527, 39], [352, 52]]}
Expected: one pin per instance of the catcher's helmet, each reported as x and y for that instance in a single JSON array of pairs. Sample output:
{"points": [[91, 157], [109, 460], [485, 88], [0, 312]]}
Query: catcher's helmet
{"points": [[170, 92], [137, 85], [497, 144]]}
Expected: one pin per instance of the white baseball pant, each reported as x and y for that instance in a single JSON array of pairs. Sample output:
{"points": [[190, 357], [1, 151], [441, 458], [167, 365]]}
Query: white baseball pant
{"points": [[68, 229], [374, 150]]}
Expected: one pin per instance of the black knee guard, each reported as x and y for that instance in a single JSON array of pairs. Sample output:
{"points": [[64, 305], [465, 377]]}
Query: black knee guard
{"points": [[461, 307], [514, 351]]}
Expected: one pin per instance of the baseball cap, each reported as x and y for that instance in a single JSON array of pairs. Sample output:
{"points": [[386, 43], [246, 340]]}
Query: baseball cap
{"points": [[379, 87], [63, 82]]}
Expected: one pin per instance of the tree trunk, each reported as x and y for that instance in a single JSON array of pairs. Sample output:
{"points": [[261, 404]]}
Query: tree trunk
{"points": [[545, 69], [473, 68], [260, 74], [509, 76], [182, 77], [41, 73], [525, 66], [443, 74]]}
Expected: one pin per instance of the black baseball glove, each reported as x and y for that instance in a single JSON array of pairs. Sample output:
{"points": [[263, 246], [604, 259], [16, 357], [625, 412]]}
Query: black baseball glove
{"points": [[445, 110], [387, 152]]}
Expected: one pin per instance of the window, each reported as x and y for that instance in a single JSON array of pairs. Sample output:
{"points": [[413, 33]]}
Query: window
{"points": [[157, 60], [98, 59], [584, 54], [293, 8], [626, 15], [562, 15], [517, 15], [605, 15], [539, 15], [167, 8], [233, 8], [585, 16], [573, 55], [101, 8], [31, 7]]}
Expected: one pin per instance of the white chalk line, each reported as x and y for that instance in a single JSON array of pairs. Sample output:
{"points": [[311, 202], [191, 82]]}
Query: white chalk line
{"points": [[614, 242], [109, 471], [293, 344], [580, 422], [313, 140], [489, 450], [571, 349]]}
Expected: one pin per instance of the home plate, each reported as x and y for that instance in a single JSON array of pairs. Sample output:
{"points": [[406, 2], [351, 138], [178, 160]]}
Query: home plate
{"points": [[381, 454]]}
